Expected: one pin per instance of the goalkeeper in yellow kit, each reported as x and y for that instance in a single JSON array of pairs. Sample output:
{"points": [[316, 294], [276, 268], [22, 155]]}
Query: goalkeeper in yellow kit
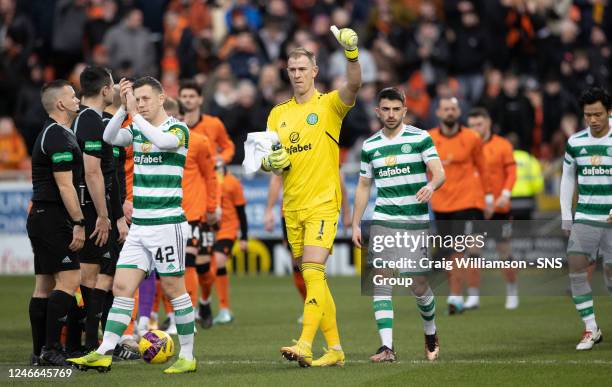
{"points": [[308, 126]]}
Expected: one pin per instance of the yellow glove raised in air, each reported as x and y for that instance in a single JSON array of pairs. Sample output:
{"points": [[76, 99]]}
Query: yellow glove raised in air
{"points": [[347, 39], [277, 160]]}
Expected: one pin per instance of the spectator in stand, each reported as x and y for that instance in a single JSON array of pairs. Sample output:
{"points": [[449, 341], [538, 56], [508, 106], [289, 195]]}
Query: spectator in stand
{"points": [[16, 44], [29, 112], [245, 58], [244, 8], [429, 52], [600, 56], [224, 100], [556, 102], [513, 112], [269, 84], [13, 153], [129, 43], [68, 29], [580, 75], [248, 115], [468, 44], [271, 38], [493, 87], [102, 16]]}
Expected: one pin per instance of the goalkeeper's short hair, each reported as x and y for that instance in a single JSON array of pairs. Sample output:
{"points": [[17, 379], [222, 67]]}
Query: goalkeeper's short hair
{"points": [[301, 51]]}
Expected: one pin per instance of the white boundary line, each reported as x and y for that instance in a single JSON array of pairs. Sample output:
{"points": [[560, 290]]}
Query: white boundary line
{"points": [[423, 362], [405, 362]]}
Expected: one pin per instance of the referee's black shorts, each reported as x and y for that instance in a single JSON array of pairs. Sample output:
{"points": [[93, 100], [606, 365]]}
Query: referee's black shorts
{"points": [[460, 222], [50, 232], [106, 255]]}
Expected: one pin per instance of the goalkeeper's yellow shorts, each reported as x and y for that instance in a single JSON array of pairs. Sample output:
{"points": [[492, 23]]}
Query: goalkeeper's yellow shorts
{"points": [[315, 226]]}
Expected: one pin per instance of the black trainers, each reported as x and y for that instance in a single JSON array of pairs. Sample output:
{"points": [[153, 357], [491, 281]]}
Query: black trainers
{"points": [[36, 361], [164, 326], [125, 351], [53, 356], [206, 317]]}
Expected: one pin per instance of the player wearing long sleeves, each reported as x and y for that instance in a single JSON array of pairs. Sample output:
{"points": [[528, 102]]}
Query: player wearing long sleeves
{"points": [[498, 154], [588, 162], [158, 236], [308, 126]]}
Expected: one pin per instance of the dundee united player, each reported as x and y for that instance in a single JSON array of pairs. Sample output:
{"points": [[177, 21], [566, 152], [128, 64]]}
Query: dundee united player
{"points": [[233, 217], [465, 196], [308, 126], [190, 97], [502, 173]]}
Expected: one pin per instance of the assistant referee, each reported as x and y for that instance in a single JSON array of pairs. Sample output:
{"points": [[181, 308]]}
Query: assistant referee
{"points": [[55, 222]]}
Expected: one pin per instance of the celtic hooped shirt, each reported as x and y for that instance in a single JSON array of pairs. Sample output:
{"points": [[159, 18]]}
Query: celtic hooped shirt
{"points": [[158, 176], [398, 167], [592, 158]]}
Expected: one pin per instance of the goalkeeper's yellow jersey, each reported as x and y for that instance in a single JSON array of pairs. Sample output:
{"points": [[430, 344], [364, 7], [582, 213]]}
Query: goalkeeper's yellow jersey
{"points": [[310, 133]]}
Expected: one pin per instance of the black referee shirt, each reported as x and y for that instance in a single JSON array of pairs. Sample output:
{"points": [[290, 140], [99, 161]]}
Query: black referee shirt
{"points": [[56, 150], [89, 129], [119, 157]]}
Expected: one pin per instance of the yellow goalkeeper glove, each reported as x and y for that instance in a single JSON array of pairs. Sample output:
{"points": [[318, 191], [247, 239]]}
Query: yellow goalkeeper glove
{"points": [[347, 39], [278, 159]]}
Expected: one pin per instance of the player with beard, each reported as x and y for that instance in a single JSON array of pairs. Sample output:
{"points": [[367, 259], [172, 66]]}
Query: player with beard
{"points": [[466, 195]]}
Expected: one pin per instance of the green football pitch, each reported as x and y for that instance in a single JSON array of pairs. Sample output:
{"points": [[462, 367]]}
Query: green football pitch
{"points": [[533, 345]]}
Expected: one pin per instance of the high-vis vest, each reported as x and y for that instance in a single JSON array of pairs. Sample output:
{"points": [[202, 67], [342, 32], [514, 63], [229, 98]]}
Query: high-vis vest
{"points": [[529, 179]]}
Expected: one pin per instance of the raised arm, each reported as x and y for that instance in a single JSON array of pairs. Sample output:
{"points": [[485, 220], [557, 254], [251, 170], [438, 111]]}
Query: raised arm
{"points": [[348, 40], [114, 134]]}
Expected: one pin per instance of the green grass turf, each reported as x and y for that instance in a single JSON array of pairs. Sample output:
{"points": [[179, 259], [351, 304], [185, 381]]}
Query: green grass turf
{"points": [[533, 345]]}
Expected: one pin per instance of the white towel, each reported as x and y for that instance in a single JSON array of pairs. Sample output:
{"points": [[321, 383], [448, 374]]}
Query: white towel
{"points": [[257, 146]]}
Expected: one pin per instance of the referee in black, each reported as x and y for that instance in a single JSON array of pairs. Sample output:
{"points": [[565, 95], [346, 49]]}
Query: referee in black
{"points": [[100, 200], [55, 223]]}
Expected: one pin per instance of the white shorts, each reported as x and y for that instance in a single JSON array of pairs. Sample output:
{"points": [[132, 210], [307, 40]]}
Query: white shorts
{"points": [[160, 247]]}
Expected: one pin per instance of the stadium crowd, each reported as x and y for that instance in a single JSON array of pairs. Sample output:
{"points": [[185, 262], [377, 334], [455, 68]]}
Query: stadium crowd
{"points": [[523, 60]]}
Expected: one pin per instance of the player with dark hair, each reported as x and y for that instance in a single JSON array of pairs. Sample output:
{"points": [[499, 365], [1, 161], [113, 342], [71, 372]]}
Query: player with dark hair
{"points": [[233, 218], [588, 164], [401, 203], [159, 232], [105, 225], [222, 147], [502, 174], [56, 226], [466, 195]]}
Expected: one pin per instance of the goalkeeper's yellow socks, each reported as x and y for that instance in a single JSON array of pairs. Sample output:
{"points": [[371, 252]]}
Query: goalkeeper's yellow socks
{"points": [[316, 295], [329, 326]]}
